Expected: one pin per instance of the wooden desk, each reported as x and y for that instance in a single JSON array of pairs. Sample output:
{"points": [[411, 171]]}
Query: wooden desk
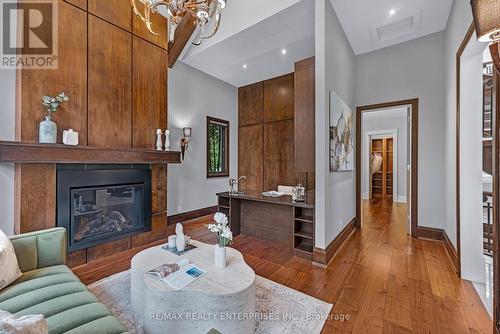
{"points": [[275, 219]]}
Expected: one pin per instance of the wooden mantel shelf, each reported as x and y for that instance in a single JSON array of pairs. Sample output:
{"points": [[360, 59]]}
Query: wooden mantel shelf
{"points": [[21, 152]]}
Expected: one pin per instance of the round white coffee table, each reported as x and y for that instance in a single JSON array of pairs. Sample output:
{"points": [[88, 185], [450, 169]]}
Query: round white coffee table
{"points": [[223, 299]]}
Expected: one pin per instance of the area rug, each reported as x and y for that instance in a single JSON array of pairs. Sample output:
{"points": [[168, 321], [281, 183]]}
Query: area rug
{"points": [[299, 312]]}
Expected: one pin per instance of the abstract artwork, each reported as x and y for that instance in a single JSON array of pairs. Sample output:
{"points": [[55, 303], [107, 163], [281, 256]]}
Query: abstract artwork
{"points": [[341, 135]]}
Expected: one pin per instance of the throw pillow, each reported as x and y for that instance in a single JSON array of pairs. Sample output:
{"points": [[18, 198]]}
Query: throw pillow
{"points": [[8, 262], [27, 324]]}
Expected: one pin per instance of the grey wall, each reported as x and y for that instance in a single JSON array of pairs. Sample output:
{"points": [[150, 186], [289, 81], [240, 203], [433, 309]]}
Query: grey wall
{"points": [[414, 70], [386, 120], [335, 192], [193, 95]]}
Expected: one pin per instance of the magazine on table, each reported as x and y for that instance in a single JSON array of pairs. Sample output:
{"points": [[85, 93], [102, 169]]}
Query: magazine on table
{"points": [[178, 275]]}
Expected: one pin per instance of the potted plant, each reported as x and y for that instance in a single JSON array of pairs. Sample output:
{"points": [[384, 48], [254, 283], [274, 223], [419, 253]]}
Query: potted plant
{"points": [[48, 129], [224, 238]]}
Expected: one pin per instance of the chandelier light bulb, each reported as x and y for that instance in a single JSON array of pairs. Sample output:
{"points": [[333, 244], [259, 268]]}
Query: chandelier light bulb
{"points": [[392, 12], [283, 52], [245, 66]]}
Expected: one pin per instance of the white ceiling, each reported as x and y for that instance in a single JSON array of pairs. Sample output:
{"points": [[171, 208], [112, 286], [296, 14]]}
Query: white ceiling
{"points": [[369, 24], [256, 40]]}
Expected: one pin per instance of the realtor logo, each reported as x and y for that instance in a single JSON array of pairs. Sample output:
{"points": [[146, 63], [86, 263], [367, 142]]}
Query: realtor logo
{"points": [[29, 34]]}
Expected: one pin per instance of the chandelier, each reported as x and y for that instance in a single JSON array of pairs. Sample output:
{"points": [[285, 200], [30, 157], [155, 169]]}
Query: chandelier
{"points": [[207, 13]]}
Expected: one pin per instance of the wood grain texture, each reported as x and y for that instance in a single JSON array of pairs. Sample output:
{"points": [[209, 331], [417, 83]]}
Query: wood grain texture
{"points": [[117, 12], [107, 249], [149, 93], [78, 3], [256, 218], [304, 121], [386, 281], [70, 78], [251, 104], [110, 84], [251, 156], [279, 161], [158, 188], [36, 197], [186, 216], [160, 26], [182, 36], [279, 98], [158, 231], [76, 258]]}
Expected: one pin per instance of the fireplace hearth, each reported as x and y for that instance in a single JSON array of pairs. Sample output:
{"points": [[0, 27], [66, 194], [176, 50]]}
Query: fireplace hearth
{"points": [[102, 203]]}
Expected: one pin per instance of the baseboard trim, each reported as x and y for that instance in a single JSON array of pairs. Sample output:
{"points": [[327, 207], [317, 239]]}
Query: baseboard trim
{"points": [[322, 257], [401, 199], [185, 216], [439, 234]]}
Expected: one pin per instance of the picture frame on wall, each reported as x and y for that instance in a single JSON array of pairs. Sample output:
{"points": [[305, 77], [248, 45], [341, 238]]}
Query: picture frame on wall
{"points": [[341, 133]]}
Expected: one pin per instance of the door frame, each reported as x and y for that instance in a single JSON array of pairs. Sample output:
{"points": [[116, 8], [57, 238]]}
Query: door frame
{"points": [[413, 200], [392, 133]]}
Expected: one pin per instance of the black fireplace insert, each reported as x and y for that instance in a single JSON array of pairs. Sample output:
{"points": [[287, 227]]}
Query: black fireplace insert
{"points": [[102, 203]]}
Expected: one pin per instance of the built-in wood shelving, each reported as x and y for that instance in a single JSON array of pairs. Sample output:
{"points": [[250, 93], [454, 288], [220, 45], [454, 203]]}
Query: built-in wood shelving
{"points": [[303, 232], [22, 152]]}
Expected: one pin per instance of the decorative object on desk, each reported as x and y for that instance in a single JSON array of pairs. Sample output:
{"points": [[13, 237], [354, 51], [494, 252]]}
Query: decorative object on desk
{"points": [[232, 183], [273, 193], [167, 140], [298, 193], [180, 241], [159, 140], [224, 238], [47, 131], [186, 132], [176, 252], [341, 135], [172, 241], [70, 137]]}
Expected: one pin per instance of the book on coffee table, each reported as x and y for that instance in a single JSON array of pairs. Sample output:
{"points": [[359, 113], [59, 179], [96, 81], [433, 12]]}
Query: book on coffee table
{"points": [[178, 275]]}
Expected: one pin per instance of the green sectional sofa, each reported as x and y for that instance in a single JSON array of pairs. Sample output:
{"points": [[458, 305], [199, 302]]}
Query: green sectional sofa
{"points": [[49, 287]]}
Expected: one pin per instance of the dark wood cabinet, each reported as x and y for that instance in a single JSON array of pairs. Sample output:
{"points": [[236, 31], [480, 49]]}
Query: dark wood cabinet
{"points": [[250, 155], [117, 12], [78, 3], [251, 104], [304, 99], [70, 77], [160, 26], [278, 98], [149, 92], [110, 84]]}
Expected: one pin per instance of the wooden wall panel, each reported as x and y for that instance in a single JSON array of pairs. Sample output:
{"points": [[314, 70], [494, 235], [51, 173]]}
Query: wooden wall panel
{"points": [[107, 249], [279, 162], [78, 3], [35, 197], [70, 78], [159, 189], [110, 84], [251, 104], [149, 94], [117, 12], [160, 26], [250, 156], [278, 98], [304, 100], [77, 258], [158, 231]]}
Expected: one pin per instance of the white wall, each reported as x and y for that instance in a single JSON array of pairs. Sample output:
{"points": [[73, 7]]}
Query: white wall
{"points": [[386, 120], [413, 70], [335, 192], [7, 132], [193, 95]]}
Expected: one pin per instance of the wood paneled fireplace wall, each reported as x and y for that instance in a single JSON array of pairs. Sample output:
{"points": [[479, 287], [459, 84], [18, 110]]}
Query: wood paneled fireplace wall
{"points": [[115, 73]]}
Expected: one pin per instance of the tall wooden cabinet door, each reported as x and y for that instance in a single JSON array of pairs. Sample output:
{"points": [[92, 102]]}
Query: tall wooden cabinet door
{"points": [[70, 77], [160, 26], [117, 12], [149, 93], [304, 100], [250, 156], [110, 85], [278, 98], [279, 159], [78, 3], [251, 104]]}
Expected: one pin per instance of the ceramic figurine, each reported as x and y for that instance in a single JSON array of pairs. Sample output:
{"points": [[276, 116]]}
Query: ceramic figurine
{"points": [[167, 140], [159, 141], [181, 239], [70, 137]]}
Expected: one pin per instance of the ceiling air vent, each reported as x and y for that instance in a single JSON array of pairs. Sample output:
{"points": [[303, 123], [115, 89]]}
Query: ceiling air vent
{"points": [[396, 29]]}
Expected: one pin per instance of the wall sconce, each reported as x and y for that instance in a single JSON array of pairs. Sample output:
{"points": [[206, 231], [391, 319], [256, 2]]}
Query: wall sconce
{"points": [[186, 132]]}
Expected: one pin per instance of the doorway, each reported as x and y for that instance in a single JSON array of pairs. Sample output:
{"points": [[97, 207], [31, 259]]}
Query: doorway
{"points": [[408, 170]]}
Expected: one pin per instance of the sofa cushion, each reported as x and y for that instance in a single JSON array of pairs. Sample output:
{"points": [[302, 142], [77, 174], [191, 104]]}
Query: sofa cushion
{"points": [[63, 300], [8, 262]]}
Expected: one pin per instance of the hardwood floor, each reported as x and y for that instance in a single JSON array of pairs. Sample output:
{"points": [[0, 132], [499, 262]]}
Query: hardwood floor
{"points": [[383, 279]]}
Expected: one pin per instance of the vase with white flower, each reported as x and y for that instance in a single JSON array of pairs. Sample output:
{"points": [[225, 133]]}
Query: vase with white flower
{"points": [[224, 238]]}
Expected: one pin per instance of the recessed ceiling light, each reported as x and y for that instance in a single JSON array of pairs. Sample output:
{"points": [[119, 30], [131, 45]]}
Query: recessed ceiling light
{"points": [[283, 52], [245, 66], [392, 12]]}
